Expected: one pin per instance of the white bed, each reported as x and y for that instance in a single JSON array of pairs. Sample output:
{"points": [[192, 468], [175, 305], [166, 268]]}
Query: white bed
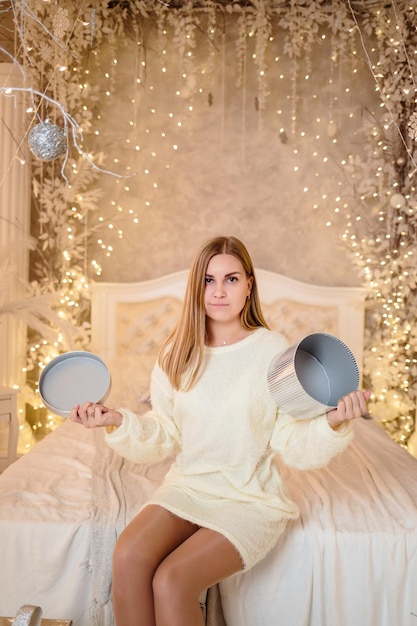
{"points": [[351, 558]]}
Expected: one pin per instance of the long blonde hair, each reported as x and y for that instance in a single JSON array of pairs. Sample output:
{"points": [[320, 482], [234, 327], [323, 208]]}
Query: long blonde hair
{"points": [[182, 353]]}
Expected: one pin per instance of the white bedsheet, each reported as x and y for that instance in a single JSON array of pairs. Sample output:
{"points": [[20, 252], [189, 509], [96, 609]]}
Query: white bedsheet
{"points": [[351, 559], [45, 509], [61, 509]]}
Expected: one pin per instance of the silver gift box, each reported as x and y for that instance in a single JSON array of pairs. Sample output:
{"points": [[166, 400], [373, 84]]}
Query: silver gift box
{"points": [[309, 377]]}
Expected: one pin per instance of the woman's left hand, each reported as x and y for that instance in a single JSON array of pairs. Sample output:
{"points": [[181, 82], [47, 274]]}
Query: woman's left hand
{"points": [[348, 408]]}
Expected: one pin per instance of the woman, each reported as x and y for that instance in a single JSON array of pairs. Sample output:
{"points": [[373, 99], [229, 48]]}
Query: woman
{"points": [[222, 505]]}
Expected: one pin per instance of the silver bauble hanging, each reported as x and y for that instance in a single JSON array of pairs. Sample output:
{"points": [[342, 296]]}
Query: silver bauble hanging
{"points": [[47, 141]]}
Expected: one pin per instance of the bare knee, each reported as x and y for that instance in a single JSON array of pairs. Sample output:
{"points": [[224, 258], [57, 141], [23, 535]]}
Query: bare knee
{"points": [[172, 580], [131, 562]]}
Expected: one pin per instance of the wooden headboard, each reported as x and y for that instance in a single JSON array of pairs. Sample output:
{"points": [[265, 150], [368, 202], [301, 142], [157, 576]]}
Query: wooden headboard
{"points": [[134, 318]]}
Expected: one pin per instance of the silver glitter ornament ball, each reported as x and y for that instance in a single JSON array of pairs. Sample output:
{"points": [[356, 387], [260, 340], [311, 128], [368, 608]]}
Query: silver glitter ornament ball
{"points": [[47, 141]]}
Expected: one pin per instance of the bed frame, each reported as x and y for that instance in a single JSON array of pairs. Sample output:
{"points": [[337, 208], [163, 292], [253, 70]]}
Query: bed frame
{"points": [[351, 557]]}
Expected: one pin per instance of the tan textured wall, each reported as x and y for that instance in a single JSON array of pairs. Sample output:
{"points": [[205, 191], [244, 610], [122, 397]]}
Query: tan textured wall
{"points": [[233, 171]]}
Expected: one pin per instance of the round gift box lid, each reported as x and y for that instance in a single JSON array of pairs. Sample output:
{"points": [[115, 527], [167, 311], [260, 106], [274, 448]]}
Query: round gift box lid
{"points": [[309, 377], [73, 378]]}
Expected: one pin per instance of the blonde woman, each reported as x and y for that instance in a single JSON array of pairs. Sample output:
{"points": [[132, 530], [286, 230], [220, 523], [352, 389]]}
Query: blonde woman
{"points": [[222, 505]]}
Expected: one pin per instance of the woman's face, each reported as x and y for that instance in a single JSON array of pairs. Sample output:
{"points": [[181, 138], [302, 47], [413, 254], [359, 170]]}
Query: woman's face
{"points": [[227, 288]]}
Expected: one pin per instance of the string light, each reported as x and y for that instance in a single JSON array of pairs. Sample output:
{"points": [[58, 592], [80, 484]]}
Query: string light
{"points": [[158, 136]]}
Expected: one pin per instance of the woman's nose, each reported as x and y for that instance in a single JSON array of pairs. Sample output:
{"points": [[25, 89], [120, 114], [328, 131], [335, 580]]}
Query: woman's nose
{"points": [[219, 291]]}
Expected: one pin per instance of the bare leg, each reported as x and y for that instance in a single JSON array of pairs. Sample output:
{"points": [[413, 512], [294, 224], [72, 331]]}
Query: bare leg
{"points": [[202, 560], [142, 546]]}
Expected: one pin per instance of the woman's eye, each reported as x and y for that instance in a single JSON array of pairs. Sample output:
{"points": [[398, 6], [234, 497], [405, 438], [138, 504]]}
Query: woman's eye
{"points": [[232, 279], [208, 280]]}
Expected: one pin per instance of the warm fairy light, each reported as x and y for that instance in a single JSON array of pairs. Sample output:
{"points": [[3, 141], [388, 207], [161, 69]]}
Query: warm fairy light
{"points": [[143, 144]]}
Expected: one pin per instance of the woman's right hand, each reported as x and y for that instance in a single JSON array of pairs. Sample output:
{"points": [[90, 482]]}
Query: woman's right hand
{"points": [[94, 415]]}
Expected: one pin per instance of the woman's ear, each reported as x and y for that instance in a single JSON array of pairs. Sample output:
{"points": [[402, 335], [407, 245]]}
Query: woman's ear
{"points": [[250, 283]]}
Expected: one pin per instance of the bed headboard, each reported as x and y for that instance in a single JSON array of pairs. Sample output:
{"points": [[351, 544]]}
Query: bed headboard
{"points": [[130, 320], [134, 316]]}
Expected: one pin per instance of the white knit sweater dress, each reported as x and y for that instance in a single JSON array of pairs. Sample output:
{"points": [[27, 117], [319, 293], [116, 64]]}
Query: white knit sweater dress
{"points": [[224, 434]]}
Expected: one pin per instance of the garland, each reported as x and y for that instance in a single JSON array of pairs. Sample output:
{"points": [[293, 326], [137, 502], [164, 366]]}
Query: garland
{"points": [[60, 47]]}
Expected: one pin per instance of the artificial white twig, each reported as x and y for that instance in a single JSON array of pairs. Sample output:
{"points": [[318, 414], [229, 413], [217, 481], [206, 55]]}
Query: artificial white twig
{"points": [[69, 121]]}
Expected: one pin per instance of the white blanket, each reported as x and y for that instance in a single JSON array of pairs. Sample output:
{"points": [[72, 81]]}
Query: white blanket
{"points": [[351, 559], [45, 517]]}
